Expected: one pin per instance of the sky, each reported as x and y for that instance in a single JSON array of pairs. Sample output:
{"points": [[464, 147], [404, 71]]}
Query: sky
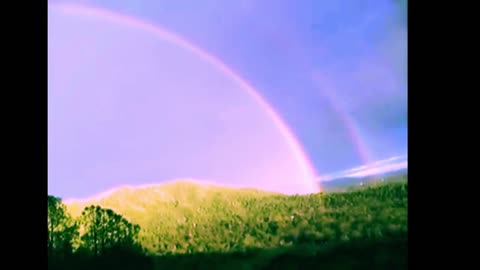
{"points": [[335, 73]]}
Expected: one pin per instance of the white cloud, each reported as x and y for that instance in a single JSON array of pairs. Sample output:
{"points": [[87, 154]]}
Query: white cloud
{"points": [[380, 166], [381, 169]]}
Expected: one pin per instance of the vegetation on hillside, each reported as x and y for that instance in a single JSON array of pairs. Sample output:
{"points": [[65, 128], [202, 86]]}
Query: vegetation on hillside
{"points": [[189, 225]]}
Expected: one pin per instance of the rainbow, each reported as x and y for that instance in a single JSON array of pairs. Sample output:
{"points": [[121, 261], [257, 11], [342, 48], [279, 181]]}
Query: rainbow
{"points": [[349, 124], [326, 92], [308, 170]]}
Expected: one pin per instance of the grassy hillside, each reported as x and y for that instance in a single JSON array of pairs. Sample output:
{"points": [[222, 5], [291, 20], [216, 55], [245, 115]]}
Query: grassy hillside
{"points": [[188, 218]]}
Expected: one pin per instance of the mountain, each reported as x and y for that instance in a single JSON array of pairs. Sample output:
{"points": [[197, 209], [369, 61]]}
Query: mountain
{"points": [[134, 201], [394, 173], [347, 183], [186, 217]]}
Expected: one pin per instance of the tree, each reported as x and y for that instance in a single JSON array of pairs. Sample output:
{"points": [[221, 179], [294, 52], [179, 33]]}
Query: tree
{"points": [[62, 228], [106, 231]]}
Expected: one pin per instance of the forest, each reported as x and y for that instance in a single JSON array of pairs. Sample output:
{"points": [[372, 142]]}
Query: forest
{"points": [[188, 226]]}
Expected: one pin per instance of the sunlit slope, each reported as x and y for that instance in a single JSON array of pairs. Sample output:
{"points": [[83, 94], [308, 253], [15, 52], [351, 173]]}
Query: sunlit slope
{"points": [[185, 217], [179, 195]]}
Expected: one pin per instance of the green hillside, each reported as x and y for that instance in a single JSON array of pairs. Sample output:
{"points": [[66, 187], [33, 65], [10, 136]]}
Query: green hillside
{"points": [[189, 218]]}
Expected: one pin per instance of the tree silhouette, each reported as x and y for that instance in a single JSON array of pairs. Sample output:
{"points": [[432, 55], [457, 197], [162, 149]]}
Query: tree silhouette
{"points": [[105, 231], [62, 229]]}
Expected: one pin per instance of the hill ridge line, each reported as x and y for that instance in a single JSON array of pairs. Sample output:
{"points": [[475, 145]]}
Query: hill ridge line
{"points": [[194, 181]]}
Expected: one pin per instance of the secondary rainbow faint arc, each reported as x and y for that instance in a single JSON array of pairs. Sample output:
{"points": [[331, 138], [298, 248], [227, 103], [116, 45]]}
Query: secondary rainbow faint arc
{"points": [[350, 125], [308, 170], [325, 89]]}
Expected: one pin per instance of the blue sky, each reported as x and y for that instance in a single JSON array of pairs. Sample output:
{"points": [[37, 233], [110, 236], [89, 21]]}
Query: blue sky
{"points": [[297, 54]]}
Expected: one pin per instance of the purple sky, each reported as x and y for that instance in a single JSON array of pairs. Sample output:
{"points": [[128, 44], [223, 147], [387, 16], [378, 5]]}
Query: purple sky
{"points": [[126, 107]]}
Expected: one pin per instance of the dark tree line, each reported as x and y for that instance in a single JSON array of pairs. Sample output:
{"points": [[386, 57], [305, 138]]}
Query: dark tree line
{"points": [[97, 233], [62, 228], [106, 230]]}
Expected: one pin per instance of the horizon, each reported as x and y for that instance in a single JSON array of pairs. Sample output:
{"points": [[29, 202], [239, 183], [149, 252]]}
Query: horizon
{"points": [[379, 167]]}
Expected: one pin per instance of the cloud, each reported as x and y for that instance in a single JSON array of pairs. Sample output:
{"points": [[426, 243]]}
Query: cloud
{"points": [[377, 167], [381, 169]]}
